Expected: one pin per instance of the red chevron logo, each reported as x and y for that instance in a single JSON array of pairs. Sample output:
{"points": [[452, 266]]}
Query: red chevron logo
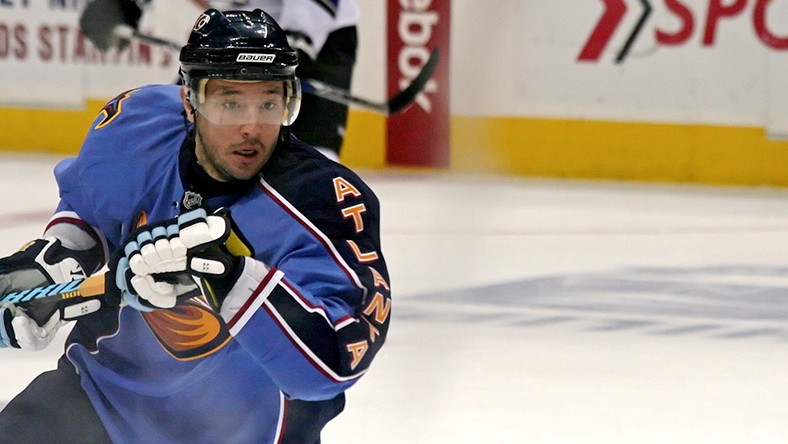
{"points": [[599, 38], [614, 12]]}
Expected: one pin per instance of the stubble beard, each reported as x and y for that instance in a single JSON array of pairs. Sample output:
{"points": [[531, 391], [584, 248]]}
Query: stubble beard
{"points": [[212, 164]]}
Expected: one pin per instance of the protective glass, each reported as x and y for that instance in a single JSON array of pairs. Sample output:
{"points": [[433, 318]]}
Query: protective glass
{"points": [[274, 103]]}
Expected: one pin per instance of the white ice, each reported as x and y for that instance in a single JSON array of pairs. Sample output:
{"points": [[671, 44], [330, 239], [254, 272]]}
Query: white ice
{"points": [[546, 311]]}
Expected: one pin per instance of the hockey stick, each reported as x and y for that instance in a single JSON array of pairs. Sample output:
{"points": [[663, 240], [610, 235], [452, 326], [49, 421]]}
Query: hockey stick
{"points": [[156, 41], [73, 299], [392, 106]]}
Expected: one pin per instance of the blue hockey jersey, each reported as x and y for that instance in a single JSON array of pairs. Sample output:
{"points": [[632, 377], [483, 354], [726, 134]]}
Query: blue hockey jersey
{"points": [[306, 333]]}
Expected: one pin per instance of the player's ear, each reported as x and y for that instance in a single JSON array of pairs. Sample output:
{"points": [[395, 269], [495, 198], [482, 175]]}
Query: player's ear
{"points": [[187, 106]]}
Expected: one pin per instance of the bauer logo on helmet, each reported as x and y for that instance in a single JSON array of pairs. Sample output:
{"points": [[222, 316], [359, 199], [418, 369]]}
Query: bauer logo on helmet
{"points": [[255, 58]]}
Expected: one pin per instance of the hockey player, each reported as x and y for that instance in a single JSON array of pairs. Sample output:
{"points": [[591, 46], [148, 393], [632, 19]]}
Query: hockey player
{"points": [[247, 289], [325, 35], [322, 31]]}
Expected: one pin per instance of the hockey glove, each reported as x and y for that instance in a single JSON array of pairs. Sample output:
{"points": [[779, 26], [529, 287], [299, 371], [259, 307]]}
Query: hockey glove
{"points": [[102, 21], [217, 255], [20, 331], [39, 263], [45, 261], [306, 53], [150, 272]]}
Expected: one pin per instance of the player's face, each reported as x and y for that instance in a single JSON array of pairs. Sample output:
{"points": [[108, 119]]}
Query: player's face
{"points": [[237, 127]]}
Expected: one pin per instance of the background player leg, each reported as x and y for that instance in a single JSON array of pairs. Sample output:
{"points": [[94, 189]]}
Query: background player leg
{"points": [[55, 399]]}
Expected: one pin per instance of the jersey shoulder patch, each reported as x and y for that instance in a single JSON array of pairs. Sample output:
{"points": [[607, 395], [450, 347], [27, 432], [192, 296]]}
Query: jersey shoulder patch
{"points": [[112, 109]]}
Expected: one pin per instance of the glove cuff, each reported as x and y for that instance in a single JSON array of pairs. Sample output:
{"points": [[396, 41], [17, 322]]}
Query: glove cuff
{"points": [[7, 336], [219, 287], [250, 273]]}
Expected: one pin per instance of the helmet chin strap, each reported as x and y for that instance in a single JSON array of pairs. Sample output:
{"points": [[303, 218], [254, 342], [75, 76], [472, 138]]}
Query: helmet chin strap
{"points": [[284, 134]]}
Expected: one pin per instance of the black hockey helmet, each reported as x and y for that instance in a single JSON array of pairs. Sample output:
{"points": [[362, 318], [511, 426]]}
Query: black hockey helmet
{"points": [[239, 45]]}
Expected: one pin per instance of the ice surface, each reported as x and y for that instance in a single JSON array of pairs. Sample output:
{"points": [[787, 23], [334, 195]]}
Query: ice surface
{"points": [[546, 311]]}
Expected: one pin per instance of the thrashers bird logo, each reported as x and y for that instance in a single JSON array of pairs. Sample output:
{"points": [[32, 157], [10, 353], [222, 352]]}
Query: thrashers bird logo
{"points": [[188, 331], [113, 109]]}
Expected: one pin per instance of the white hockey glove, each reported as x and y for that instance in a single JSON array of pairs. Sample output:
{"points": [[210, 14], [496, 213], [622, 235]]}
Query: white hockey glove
{"points": [[217, 255], [150, 272], [17, 330]]}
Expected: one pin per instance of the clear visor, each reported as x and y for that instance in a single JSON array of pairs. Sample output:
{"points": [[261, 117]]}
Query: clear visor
{"points": [[241, 102]]}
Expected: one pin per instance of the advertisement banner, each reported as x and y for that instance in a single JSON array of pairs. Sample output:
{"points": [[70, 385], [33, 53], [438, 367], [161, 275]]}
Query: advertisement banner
{"points": [[47, 62], [709, 62], [41, 54], [419, 136]]}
